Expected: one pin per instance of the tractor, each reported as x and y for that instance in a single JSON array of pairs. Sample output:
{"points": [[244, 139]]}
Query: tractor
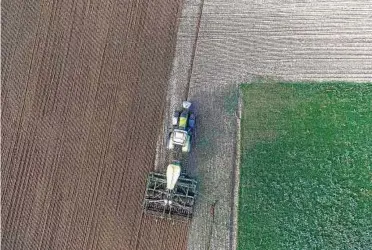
{"points": [[183, 123], [172, 194]]}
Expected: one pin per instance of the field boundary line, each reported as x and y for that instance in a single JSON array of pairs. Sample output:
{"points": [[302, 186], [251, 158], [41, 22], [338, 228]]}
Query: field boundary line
{"points": [[195, 45], [236, 176]]}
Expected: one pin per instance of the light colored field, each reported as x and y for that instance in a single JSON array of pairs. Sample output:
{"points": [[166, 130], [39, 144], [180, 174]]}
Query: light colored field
{"points": [[239, 41]]}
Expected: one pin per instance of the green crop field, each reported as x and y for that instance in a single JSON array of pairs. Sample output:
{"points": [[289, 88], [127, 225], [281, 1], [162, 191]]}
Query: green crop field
{"points": [[306, 175]]}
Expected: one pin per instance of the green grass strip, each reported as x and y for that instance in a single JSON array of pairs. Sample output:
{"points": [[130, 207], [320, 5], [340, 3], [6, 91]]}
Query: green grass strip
{"points": [[306, 176]]}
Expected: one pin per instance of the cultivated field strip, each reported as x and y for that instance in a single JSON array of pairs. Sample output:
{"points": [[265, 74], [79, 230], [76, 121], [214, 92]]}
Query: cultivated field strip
{"points": [[292, 40], [83, 89], [240, 41], [161, 239]]}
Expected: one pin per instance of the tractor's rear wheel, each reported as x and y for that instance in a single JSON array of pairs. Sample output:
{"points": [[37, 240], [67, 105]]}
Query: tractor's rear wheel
{"points": [[187, 147], [170, 145]]}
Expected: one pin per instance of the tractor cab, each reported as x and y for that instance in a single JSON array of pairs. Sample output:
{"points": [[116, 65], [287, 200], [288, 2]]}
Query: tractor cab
{"points": [[179, 137]]}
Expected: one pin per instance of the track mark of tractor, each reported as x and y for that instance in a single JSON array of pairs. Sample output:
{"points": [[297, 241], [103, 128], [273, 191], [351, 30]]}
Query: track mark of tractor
{"points": [[194, 48]]}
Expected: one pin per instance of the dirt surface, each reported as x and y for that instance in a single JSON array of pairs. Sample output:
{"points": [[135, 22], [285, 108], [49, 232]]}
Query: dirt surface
{"points": [[241, 41], [83, 91]]}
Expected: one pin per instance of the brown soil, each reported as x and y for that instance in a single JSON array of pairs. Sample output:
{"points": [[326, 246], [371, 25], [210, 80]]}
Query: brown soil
{"points": [[83, 92]]}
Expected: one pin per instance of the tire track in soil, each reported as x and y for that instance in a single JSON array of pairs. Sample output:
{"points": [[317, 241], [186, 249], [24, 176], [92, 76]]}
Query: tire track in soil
{"points": [[83, 90]]}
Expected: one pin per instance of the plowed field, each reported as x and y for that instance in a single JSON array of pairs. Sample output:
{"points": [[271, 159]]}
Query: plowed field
{"points": [[83, 90]]}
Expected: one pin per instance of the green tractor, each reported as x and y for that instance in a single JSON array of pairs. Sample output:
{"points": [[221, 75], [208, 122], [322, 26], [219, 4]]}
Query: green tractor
{"points": [[183, 123], [172, 194]]}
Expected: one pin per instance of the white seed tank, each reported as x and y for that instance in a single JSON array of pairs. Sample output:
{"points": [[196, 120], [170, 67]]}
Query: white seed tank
{"points": [[173, 172]]}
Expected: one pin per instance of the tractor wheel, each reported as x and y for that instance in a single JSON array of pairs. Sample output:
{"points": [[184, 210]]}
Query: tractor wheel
{"points": [[187, 147], [175, 117], [170, 143]]}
